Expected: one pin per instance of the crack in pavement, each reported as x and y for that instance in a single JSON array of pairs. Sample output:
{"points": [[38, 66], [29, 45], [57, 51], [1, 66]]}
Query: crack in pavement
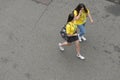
{"points": [[44, 3]]}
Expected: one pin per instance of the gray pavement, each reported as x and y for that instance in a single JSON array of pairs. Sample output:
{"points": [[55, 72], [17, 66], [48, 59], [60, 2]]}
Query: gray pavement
{"points": [[29, 37]]}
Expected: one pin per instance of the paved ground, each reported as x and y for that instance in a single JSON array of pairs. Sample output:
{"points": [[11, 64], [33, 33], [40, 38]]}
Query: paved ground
{"points": [[29, 34]]}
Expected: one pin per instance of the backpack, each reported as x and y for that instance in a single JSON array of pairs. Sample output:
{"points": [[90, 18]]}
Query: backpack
{"points": [[63, 32]]}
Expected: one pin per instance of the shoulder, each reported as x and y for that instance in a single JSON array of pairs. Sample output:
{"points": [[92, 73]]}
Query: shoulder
{"points": [[68, 25], [75, 12]]}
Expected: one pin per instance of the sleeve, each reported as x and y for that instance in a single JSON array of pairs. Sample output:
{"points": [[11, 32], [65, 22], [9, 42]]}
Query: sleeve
{"points": [[68, 29], [88, 11], [75, 13]]}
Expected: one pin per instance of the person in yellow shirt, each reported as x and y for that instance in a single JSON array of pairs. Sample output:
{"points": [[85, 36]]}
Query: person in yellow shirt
{"points": [[81, 13], [72, 36]]}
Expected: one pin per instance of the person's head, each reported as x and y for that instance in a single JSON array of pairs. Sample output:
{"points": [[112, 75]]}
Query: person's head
{"points": [[70, 17], [81, 6]]}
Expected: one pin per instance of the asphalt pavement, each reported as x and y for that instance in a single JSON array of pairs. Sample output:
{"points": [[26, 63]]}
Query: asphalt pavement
{"points": [[29, 37]]}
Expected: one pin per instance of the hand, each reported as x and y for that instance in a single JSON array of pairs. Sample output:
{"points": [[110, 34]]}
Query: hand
{"points": [[75, 34], [91, 21]]}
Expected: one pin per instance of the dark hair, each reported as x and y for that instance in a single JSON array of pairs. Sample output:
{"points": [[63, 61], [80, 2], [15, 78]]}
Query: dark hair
{"points": [[70, 17], [80, 6]]}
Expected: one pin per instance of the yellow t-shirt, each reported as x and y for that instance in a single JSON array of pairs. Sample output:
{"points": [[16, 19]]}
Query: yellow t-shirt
{"points": [[71, 28], [83, 17]]}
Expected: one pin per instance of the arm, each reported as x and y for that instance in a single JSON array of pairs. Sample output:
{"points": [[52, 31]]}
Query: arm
{"points": [[90, 17], [77, 16]]}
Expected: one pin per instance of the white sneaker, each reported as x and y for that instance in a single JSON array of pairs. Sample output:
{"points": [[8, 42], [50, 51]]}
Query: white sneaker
{"points": [[79, 38], [60, 47], [84, 39], [80, 56]]}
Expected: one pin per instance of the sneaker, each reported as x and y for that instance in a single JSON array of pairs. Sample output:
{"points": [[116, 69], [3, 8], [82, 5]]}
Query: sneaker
{"points": [[80, 56], [60, 47], [84, 39], [79, 38]]}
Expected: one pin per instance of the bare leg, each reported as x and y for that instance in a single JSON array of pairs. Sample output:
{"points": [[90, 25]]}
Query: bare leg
{"points": [[63, 44], [77, 46]]}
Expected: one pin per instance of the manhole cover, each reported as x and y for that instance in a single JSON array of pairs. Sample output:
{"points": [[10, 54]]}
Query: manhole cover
{"points": [[115, 1], [44, 2]]}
